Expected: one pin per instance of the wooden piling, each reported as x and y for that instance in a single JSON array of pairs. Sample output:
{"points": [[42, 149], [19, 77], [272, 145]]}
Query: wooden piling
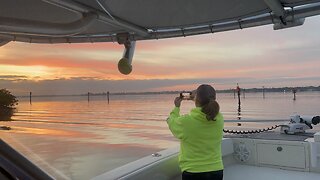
{"points": [[108, 94], [239, 101], [294, 91], [30, 97], [239, 94]]}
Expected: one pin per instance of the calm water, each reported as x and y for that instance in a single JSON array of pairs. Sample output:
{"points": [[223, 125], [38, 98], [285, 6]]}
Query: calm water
{"points": [[75, 139]]}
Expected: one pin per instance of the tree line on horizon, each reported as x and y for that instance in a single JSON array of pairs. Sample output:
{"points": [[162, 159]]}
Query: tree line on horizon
{"points": [[272, 89], [247, 90]]}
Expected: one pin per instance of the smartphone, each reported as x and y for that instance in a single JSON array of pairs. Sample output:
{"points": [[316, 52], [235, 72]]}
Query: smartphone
{"points": [[186, 95]]}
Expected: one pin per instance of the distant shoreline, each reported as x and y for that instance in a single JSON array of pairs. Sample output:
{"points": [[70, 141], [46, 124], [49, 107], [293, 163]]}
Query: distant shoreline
{"points": [[249, 90]]}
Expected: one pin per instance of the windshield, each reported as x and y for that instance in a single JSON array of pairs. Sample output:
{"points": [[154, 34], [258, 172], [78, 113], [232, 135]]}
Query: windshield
{"points": [[78, 117]]}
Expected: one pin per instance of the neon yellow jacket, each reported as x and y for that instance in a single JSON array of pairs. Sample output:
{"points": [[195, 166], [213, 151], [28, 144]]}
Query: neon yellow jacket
{"points": [[200, 140]]}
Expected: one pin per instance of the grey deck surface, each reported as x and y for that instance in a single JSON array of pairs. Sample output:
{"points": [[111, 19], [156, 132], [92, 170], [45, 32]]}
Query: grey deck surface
{"points": [[238, 171], [245, 172], [272, 135]]}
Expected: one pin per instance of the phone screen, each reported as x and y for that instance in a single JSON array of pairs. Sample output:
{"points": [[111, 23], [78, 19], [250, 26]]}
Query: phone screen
{"points": [[185, 95]]}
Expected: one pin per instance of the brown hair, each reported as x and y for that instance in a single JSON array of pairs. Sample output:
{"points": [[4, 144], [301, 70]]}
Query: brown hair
{"points": [[206, 97]]}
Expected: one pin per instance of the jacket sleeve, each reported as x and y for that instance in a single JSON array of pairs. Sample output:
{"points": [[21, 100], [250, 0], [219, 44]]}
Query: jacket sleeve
{"points": [[175, 123]]}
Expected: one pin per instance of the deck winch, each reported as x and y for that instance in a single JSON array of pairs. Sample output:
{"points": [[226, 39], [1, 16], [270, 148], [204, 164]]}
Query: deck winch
{"points": [[299, 124]]}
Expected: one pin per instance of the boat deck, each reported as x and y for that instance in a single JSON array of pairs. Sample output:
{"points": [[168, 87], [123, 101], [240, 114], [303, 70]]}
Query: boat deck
{"points": [[262, 156], [239, 171]]}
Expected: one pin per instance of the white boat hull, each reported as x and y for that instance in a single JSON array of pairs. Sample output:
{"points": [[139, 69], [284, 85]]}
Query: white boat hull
{"points": [[244, 158]]}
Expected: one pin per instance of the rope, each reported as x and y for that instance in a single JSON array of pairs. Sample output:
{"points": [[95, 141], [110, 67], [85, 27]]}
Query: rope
{"points": [[251, 131]]}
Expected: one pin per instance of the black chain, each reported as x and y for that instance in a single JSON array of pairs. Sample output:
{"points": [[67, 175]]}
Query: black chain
{"points": [[251, 131]]}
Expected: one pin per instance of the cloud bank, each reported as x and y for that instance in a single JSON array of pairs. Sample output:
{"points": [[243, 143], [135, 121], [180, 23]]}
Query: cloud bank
{"points": [[252, 57]]}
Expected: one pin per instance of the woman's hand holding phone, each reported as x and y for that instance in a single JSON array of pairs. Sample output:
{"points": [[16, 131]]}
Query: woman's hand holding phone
{"points": [[177, 101]]}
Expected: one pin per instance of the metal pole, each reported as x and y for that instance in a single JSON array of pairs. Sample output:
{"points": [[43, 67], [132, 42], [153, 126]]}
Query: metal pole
{"points": [[101, 15]]}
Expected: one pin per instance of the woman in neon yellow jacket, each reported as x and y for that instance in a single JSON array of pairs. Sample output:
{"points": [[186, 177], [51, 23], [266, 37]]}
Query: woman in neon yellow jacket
{"points": [[200, 133]]}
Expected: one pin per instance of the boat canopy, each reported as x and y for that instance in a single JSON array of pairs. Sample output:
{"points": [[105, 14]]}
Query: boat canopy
{"points": [[77, 21]]}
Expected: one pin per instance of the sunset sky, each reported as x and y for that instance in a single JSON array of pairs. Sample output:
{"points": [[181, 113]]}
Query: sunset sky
{"points": [[251, 57]]}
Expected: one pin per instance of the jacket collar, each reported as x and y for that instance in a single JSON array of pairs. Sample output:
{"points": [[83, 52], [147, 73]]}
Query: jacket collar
{"points": [[197, 112]]}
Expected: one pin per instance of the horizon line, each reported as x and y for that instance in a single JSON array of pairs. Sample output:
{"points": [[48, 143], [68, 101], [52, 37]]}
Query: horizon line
{"points": [[247, 90]]}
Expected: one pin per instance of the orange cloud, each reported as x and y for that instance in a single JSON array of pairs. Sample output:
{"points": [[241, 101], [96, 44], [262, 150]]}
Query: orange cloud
{"points": [[59, 62]]}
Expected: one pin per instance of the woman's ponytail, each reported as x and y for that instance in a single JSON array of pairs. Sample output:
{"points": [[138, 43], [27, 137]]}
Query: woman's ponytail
{"points": [[206, 99], [211, 109]]}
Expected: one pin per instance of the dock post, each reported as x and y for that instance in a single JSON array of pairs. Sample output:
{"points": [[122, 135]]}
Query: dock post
{"points": [[239, 101], [108, 94], [239, 93], [294, 91], [30, 97]]}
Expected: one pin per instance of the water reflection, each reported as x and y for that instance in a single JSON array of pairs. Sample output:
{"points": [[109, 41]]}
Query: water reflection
{"points": [[6, 114], [82, 140], [239, 111], [5, 128]]}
